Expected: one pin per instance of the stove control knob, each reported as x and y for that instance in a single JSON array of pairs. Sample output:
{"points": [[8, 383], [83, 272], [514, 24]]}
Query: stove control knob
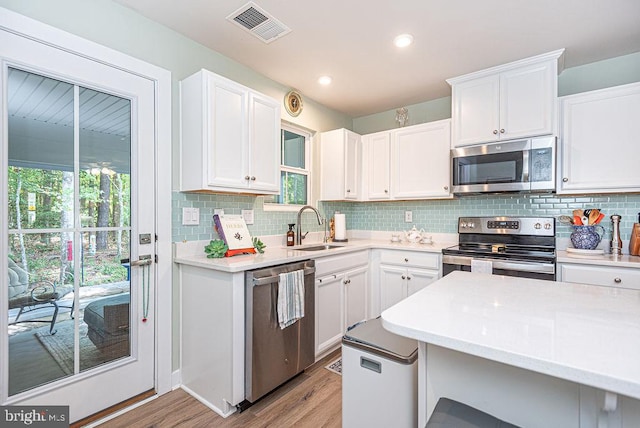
{"points": [[472, 225], [463, 225], [547, 226], [537, 226]]}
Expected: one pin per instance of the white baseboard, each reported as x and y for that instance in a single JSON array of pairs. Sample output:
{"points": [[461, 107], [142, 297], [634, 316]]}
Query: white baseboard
{"points": [[176, 379], [231, 410]]}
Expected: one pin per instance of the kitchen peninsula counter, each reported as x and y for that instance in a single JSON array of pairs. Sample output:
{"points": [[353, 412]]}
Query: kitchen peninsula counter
{"points": [[192, 253], [585, 337], [212, 323]]}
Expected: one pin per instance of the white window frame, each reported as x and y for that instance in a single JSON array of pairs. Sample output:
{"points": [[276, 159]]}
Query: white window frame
{"points": [[308, 135]]}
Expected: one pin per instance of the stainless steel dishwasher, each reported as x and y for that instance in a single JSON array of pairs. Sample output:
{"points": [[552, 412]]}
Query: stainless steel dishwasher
{"points": [[275, 355]]}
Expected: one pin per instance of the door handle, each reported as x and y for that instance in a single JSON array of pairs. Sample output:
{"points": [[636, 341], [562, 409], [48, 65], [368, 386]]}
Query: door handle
{"points": [[144, 260]]}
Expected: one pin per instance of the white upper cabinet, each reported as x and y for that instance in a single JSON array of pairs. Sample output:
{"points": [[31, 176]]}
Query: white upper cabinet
{"points": [[340, 165], [420, 161], [599, 148], [230, 137], [510, 101], [378, 177], [264, 143], [405, 163]]}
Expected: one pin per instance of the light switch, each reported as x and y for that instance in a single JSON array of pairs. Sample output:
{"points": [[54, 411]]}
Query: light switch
{"points": [[190, 216], [248, 216]]}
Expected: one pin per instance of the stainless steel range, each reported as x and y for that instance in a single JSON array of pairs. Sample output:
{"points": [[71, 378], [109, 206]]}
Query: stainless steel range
{"points": [[512, 246]]}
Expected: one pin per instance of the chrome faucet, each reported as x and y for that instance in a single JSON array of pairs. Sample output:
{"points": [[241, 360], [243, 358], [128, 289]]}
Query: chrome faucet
{"points": [[299, 235]]}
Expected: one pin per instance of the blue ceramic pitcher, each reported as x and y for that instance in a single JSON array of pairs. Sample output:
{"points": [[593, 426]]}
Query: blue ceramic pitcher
{"points": [[587, 237]]}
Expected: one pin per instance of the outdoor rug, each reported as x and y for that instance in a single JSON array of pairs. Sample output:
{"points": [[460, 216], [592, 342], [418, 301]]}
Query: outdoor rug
{"points": [[60, 346], [335, 366]]}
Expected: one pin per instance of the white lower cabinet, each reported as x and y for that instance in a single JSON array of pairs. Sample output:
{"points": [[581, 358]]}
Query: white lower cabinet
{"points": [[400, 273], [342, 284], [398, 283], [600, 275]]}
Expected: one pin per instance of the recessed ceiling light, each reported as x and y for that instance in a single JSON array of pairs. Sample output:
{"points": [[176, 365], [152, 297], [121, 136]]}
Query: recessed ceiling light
{"points": [[403, 40], [324, 80]]}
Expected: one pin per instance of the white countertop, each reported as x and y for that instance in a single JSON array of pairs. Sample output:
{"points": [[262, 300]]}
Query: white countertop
{"points": [[192, 253], [582, 333], [624, 260]]}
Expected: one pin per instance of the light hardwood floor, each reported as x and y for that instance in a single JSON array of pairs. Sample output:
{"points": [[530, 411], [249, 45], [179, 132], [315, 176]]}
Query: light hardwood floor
{"points": [[312, 399]]}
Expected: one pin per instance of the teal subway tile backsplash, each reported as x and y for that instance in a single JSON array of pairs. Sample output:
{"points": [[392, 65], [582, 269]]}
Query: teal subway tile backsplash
{"points": [[436, 216], [265, 222]]}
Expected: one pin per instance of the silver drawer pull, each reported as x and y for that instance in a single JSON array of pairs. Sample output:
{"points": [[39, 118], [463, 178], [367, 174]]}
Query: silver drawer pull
{"points": [[617, 280], [370, 365]]}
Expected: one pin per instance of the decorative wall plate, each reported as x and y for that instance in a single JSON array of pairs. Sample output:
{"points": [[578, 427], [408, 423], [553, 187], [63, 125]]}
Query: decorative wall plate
{"points": [[293, 103]]}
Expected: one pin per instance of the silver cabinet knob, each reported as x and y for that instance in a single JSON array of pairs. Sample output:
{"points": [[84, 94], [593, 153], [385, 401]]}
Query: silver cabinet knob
{"points": [[348, 190], [409, 278], [446, 187], [617, 280], [495, 132], [502, 131], [565, 179], [406, 260], [253, 178], [386, 191], [404, 277], [246, 177]]}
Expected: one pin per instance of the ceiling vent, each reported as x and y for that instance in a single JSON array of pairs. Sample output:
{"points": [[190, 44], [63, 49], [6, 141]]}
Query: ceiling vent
{"points": [[256, 21]]}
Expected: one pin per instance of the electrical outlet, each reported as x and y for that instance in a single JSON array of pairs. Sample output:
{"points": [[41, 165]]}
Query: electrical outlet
{"points": [[408, 216], [248, 216]]}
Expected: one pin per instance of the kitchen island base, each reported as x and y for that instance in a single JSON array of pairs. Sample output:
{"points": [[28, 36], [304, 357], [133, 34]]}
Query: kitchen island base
{"points": [[531, 352], [518, 396]]}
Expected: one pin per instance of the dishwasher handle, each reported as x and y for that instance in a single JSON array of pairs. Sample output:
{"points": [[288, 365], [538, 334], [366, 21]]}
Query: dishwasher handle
{"points": [[275, 278]]}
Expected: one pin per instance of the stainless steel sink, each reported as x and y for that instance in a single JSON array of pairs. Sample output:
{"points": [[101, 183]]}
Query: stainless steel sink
{"points": [[319, 247]]}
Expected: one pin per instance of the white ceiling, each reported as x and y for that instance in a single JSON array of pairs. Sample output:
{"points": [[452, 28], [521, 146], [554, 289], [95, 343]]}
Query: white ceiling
{"points": [[351, 40]]}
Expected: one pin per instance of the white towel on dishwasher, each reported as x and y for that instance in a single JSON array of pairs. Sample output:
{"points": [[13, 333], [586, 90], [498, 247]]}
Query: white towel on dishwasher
{"points": [[290, 298]]}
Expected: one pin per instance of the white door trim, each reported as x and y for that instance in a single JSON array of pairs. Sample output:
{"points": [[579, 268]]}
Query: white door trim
{"points": [[48, 35]]}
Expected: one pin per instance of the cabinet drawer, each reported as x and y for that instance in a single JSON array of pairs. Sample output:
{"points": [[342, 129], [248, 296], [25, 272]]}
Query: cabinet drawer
{"points": [[331, 264], [410, 258], [608, 276]]}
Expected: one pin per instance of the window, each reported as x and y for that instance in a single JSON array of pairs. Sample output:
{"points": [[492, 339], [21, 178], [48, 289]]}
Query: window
{"points": [[294, 168]]}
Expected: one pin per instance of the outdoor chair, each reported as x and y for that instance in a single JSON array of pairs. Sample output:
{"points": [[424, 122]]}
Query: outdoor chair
{"points": [[28, 296]]}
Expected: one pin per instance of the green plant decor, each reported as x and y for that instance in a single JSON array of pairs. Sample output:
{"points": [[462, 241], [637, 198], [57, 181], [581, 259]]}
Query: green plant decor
{"points": [[258, 245], [216, 249]]}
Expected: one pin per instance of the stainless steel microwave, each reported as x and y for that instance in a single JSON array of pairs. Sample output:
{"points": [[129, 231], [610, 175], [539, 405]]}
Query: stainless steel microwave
{"points": [[527, 165]]}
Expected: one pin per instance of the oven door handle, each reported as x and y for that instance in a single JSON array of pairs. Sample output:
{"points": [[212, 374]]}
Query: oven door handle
{"points": [[502, 264], [526, 266]]}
